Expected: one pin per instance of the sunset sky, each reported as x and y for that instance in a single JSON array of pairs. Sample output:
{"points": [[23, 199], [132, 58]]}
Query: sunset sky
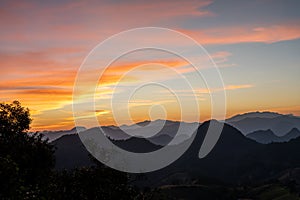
{"points": [[255, 44]]}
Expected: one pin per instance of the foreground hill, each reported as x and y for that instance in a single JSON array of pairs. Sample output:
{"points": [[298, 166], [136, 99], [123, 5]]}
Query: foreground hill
{"points": [[71, 153]]}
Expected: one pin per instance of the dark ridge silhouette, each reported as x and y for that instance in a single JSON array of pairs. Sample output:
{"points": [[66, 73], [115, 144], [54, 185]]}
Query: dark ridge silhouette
{"points": [[264, 136], [115, 133], [137, 145], [71, 153], [293, 134], [54, 135], [221, 164], [161, 140]]}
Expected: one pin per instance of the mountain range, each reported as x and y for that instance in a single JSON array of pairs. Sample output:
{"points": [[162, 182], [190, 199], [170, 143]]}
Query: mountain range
{"points": [[263, 127], [279, 124], [267, 136], [54, 135], [235, 158], [159, 132]]}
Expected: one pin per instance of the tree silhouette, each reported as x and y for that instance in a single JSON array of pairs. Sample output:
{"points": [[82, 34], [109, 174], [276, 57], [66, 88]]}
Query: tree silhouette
{"points": [[14, 118], [26, 160], [27, 166]]}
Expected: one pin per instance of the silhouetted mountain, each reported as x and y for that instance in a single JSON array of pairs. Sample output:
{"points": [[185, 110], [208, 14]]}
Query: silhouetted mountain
{"points": [[266, 114], [164, 139], [137, 145], [53, 135], [224, 163], [160, 139], [158, 132], [279, 124], [142, 129], [71, 153], [156, 128], [266, 137], [115, 133], [234, 159], [294, 133]]}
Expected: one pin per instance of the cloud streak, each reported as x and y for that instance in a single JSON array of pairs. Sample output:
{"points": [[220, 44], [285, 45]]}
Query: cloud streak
{"points": [[244, 34]]}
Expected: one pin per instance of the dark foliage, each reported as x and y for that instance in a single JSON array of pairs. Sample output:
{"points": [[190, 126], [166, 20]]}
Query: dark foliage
{"points": [[90, 183], [26, 161], [27, 166]]}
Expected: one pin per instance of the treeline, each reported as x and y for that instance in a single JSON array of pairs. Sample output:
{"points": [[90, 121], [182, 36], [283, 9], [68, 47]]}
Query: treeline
{"points": [[27, 167]]}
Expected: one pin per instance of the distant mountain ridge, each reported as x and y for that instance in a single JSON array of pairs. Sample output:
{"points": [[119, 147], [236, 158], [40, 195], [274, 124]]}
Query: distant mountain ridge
{"points": [[164, 131], [251, 124], [257, 114], [264, 136], [256, 121], [267, 136], [54, 135]]}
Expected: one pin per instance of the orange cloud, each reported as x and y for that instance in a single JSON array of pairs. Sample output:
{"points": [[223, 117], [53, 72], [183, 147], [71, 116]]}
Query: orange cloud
{"points": [[114, 73], [42, 60], [228, 87], [131, 65], [236, 87]]}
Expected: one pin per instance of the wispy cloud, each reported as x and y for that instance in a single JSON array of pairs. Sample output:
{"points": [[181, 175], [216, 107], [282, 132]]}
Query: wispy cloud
{"points": [[245, 34], [226, 88]]}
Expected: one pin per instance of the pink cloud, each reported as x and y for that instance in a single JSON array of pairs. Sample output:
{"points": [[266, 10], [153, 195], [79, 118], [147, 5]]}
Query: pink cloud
{"points": [[243, 34]]}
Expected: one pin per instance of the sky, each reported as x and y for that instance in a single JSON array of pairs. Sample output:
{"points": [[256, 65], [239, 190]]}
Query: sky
{"points": [[255, 45]]}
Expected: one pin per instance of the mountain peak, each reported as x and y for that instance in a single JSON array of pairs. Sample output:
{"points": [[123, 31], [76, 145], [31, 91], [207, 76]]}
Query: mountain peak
{"points": [[78, 128], [294, 129]]}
